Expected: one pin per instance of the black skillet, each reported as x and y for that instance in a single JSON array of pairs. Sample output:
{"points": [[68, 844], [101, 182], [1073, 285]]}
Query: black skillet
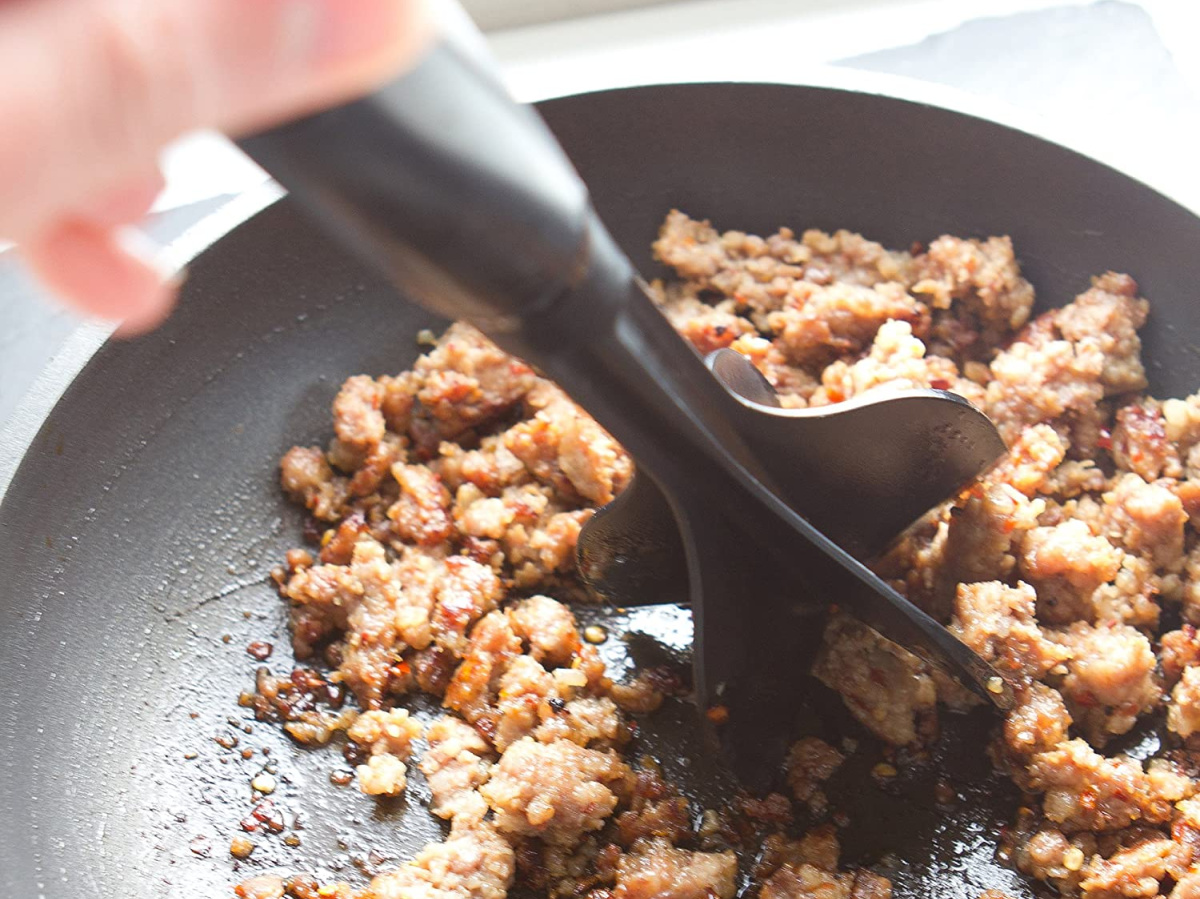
{"points": [[140, 526]]}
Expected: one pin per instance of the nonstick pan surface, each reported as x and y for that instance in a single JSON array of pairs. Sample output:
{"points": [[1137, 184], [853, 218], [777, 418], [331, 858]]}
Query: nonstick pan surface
{"points": [[139, 530]]}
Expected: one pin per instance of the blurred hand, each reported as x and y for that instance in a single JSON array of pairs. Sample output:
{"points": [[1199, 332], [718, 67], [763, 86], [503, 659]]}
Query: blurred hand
{"points": [[91, 91]]}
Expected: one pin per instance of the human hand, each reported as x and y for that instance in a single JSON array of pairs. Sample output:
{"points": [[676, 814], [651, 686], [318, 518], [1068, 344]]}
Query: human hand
{"points": [[93, 89]]}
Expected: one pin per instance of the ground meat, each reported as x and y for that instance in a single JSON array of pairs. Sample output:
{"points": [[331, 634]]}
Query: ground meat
{"points": [[465, 382], [1183, 716], [810, 762], [1044, 852], [1032, 461], [588, 721], [707, 327], [266, 886], [422, 513], [323, 597], [810, 882], [1038, 722], [466, 591], [1146, 519], [492, 649], [489, 468], [357, 419], [1045, 382], [1140, 444], [1188, 887], [868, 885], [557, 791], [758, 273], [743, 267], [977, 292], [1133, 871], [654, 869], [817, 324], [793, 385], [656, 810], [307, 478], [1086, 791], [1067, 361], [526, 695], [805, 882], [1181, 419], [382, 775], [1179, 649], [642, 695], [1066, 563], [1110, 680], [1109, 315], [990, 518], [887, 688], [998, 623], [390, 732], [897, 361], [392, 614], [456, 764], [983, 539], [818, 847], [567, 451], [548, 628], [852, 258], [1134, 595], [448, 505], [595, 464], [388, 737], [473, 863]]}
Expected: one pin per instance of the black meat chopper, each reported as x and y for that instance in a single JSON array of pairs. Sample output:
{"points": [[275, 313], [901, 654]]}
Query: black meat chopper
{"points": [[756, 516]]}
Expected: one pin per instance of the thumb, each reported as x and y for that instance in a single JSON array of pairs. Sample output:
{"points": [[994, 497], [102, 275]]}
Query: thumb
{"points": [[95, 88]]}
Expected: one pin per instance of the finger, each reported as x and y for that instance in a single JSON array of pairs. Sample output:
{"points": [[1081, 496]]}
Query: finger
{"points": [[124, 77], [125, 204], [102, 272]]}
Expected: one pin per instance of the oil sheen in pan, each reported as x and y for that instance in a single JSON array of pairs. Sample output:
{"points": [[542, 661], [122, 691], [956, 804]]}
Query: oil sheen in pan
{"points": [[936, 820]]}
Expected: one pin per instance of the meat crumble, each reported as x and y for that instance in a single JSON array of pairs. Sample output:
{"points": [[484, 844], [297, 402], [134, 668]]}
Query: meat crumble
{"points": [[450, 499]]}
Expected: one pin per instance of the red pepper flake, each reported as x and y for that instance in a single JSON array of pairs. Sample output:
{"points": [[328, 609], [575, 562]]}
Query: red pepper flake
{"points": [[718, 714], [260, 650], [939, 383], [1105, 439], [240, 847]]}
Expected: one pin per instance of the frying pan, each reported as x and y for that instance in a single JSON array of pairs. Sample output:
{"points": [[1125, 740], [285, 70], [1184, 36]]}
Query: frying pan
{"points": [[137, 533]]}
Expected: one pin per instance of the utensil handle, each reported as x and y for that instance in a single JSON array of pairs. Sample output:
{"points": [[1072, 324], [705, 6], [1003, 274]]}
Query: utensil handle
{"points": [[466, 200], [444, 182]]}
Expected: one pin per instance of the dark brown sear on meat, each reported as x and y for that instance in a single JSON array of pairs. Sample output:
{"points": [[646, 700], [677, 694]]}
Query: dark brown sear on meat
{"points": [[445, 512]]}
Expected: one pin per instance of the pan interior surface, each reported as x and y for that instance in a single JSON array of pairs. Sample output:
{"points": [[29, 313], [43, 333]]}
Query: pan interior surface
{"points": [[140, 529]]}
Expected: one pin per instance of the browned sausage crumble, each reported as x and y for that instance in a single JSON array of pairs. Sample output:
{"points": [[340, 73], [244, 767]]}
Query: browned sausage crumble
{"points": [[448, 506]]}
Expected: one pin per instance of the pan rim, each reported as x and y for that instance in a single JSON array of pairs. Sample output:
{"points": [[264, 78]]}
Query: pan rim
{"points": [[87, 339]]}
